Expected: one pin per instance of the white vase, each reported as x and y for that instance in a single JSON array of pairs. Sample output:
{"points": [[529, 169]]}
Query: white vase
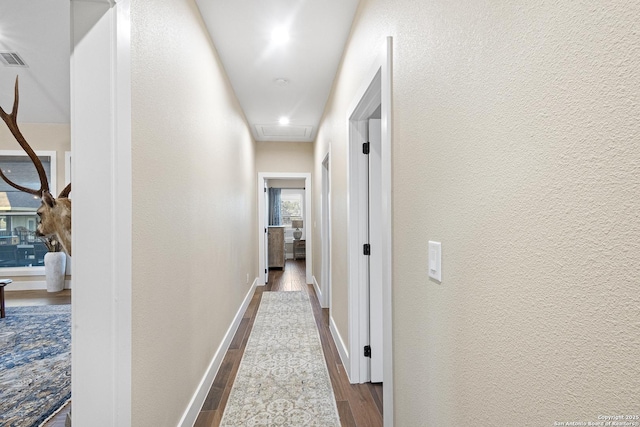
{"points": [[54, 267]]}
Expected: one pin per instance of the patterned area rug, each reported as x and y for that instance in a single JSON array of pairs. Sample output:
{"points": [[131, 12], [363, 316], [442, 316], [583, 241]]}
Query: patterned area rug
{"points": [[282, 379], [35, 363]]}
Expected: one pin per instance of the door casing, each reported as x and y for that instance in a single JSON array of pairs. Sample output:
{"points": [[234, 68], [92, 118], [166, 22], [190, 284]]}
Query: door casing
{"points": [[324, 291], [102, 194]]}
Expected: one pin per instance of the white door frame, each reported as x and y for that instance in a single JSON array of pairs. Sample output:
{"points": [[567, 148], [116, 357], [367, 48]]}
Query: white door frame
{"points": [[262, 178], [324, 293], [375, 90], [102, 194]]}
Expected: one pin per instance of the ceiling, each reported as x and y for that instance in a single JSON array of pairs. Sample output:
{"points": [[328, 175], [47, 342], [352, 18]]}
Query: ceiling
{"points": [[39, 31], [272, 79], [280, 79]]}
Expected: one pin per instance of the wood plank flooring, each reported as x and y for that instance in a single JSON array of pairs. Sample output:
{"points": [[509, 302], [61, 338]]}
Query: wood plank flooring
{"points": [[39, 297], [42, 297], [359, 405]]}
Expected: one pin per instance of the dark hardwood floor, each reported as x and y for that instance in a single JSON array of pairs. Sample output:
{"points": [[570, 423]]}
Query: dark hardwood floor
{"points": [[359, 405], [42, 297]]}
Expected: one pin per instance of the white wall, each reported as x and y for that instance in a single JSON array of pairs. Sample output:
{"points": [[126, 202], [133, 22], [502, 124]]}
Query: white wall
{"points": [[515, 144], [194, 207]]}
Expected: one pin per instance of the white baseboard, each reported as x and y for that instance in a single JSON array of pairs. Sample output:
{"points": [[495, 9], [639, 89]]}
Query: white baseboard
{"points": [[316, 286], [191, 413], [32, 285], [342, 349]]}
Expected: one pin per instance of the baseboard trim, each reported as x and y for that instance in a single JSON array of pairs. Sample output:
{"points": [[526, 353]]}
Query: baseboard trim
{"points": [[33, 285], [342, 349], [195, 405], [316, 286]]}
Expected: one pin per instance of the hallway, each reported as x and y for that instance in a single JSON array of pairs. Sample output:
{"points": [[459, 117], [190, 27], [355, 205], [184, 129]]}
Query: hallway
{"points": [[359, 405]]}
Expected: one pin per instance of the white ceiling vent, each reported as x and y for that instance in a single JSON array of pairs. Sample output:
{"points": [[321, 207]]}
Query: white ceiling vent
{"points": [[277, 133], [12, 59]]}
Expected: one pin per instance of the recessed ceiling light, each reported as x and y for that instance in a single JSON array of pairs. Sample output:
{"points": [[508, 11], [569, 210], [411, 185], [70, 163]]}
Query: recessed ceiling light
{"points": [[284, 121], [280, 35]]}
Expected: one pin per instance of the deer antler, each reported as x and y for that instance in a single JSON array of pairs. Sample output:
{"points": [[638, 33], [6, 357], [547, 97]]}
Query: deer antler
{"points": [[55, 215], [12, 124], [64, 194]]}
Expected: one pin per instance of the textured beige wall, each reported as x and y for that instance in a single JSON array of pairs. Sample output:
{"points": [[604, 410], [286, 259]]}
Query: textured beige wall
{"points": [[515, 144], [194, 207], [289, 157], [285, 183]]}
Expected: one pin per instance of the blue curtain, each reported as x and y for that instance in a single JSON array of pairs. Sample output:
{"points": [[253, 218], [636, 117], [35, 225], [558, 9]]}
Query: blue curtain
{"points": [[275, 201]]}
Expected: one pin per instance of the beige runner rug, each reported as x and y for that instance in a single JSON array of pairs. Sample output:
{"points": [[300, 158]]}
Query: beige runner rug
{"points": [[282, 379]]}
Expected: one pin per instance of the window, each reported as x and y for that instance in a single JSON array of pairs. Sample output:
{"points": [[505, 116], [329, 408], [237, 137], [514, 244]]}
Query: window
{"points": [[292, 207], [19, 246]]}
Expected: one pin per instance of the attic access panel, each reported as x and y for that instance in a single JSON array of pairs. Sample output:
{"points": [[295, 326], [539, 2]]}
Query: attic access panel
{"points": [[276, 132]]}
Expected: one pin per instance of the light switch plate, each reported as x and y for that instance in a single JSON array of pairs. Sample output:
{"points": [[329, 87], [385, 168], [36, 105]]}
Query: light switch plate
{"points": [[435, 260]]}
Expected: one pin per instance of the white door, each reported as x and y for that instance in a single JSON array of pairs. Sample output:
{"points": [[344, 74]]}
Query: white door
{"points": [[375, 259]]}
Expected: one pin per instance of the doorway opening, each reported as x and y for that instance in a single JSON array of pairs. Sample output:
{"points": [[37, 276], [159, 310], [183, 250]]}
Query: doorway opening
{"points": [[284, 234], [369, 231]]}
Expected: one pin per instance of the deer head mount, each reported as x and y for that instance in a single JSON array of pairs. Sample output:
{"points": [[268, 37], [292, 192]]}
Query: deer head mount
{"points": [[54, 213]]}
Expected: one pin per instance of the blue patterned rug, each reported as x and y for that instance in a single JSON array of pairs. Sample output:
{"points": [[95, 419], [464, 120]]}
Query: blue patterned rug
{"points": [[35, 363]]}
